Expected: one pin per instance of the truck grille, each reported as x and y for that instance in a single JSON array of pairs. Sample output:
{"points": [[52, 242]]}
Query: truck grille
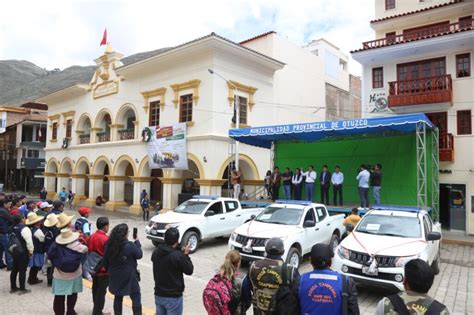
{"points": [[363, 259], [160, 226], [256, 242]]}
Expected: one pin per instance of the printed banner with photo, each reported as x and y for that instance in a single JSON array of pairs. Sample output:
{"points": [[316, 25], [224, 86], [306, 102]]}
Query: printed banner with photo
{"points": [[167, 146], [3, 122]]}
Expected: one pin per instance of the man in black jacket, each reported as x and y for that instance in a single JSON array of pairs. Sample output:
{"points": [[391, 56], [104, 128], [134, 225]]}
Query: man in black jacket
{"points": [[169, 264], [6, 221]]}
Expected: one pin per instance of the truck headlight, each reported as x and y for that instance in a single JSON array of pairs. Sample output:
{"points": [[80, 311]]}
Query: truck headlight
{"points": [[150, 224], [401, 261], [172, 225], [233, 236], [343, 252]]}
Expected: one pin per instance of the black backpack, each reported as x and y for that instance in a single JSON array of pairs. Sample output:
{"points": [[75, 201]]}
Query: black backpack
{"points": [[64, 258], [15, 246], [399, 306], [286, 303]]}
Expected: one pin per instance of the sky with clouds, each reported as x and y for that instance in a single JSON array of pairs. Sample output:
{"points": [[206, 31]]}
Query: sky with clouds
{"points": [[58, 34]]}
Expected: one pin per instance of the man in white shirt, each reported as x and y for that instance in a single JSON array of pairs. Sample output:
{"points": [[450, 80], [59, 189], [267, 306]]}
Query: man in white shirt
{"points": [[309, 182], [363, 177], [337, 180]]}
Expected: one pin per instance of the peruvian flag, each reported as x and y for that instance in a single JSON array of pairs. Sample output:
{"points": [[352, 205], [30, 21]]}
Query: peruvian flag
{"points": [[104, 38]]}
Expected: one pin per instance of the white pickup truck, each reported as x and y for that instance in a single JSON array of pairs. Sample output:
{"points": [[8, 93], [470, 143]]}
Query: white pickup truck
{"points": [[378, 248], [300, 224], [200, 218]]}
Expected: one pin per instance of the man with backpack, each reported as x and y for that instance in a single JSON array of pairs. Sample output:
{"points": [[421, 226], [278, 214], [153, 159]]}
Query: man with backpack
{"points": [[418, 280], [100, 280], [82, 225], [170, 262], [21, 249], [324, 291], [271, 284]]}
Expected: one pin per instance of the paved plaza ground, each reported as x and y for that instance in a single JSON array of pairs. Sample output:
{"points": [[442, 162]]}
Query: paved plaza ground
{"points": [[450, 287]]}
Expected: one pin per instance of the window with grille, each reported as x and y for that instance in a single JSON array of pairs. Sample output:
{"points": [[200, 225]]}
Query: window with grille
{"points": [[243, 110], [463, 65], [377, 78], [186, 108], [154, 119], [465, 22], [54, 132], [68, 128], [464, 122], [389, 4]]}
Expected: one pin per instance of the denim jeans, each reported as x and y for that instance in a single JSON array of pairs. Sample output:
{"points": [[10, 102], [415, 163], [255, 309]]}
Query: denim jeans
{"points": [[376, 190], [364, 197], [168, 305], [4, 249], [287, 190], [309, 191]]}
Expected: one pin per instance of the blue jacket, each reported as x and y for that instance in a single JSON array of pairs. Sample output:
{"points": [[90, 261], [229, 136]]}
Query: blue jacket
{"points": [[5, 221], [123, 275]]}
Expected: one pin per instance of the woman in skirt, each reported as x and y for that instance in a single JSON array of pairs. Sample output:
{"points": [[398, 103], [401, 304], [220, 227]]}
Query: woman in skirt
{"points": [[34, 222]]}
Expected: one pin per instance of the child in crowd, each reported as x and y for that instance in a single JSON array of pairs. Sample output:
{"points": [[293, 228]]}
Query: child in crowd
{"points": [[34, 222], [51, 231]]}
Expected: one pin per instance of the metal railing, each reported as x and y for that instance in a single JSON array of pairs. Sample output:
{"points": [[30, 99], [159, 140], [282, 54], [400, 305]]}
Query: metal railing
{"points": [[84, 139], [126, 134], [103, 136], [420, 34]]}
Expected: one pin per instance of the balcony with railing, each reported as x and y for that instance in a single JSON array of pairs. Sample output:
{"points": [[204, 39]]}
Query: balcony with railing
{"points": [[446, 147], [103, 136], [84, 139], [422, 91], [421, 33], [126, 134]]}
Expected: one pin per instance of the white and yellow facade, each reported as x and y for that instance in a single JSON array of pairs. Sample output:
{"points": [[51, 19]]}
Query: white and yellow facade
{"points": [[102, 120]]}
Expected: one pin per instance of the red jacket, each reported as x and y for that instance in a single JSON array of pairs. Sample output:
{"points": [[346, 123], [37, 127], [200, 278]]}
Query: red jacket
{"points": [[97, 243]]}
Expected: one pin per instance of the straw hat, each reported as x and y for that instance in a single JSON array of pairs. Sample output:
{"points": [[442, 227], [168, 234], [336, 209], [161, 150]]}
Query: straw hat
{"points": [[67, 236], [51, 220], [64, 220], [33, 218]]}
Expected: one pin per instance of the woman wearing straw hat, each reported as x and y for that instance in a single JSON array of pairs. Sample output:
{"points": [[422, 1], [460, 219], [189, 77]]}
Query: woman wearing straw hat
{"points": [[34, 221], [50, 233], [120, 260], [65, 282], [64, 220]]}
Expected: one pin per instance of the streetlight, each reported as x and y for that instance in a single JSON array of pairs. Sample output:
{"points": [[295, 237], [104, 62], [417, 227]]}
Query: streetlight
{"points": [[237, 115]]}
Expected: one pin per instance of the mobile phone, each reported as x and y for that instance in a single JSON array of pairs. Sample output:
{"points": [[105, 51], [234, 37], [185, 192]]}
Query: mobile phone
{"points": [[135, 232]]}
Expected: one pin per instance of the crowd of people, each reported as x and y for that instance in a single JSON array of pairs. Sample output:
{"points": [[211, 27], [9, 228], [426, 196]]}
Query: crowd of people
{"points": [[294, 183], [41, 237]]}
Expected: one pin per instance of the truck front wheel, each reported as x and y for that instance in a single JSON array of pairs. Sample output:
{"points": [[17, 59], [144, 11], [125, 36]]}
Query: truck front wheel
{"points": [[294, 257], [190, 238], [436, 265], [334, 243]]}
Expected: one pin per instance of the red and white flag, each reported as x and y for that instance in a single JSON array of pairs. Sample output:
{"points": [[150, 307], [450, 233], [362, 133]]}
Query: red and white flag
{"points": [[104, 38]]}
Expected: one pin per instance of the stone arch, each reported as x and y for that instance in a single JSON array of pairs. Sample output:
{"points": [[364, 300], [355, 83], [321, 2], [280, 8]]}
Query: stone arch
{"points": [[52, 166], [198, 163], [120, 169], [84, 122], [82, 166], [123, 110], [100, 115], [99, 165], [247, 166], [66, 166], [144, 168]]}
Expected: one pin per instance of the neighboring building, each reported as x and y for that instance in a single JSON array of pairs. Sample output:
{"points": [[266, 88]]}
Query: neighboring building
{"points": [[421, 61], [343, 90], [22, 147], [94, 128]]}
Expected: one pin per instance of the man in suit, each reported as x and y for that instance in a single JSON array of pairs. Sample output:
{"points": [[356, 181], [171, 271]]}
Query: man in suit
{"points": [[325, 180], [276, 182]]}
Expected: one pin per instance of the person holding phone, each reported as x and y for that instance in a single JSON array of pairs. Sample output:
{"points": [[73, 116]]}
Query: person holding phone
{"points": [[170, 262], [120, 260]]}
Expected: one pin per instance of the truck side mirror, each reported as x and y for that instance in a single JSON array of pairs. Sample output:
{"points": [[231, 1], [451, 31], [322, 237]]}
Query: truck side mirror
{"points": [[309, 223], [433, 236], [209, 213], [349, 228]]}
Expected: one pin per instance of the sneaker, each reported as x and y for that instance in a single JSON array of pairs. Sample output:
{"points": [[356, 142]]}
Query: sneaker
{"points": [[25, 291], [14, 290], [35, 281]]}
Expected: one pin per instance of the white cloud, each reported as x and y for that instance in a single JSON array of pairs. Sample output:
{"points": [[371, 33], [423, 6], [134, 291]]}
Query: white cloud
{"points": [[54, 33]]}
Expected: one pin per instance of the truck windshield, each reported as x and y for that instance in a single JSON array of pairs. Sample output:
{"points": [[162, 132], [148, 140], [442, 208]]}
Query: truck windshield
{"points": [[280, 215], [390, 226], [191, 207]]}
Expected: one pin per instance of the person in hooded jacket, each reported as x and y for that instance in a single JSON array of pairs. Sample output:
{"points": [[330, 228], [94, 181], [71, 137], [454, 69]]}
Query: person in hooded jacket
{"points": [[169, 265], [120, 260]]}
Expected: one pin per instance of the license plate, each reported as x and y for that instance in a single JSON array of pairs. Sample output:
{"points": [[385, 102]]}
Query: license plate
{"points": [[247, 250], [365, 270]]}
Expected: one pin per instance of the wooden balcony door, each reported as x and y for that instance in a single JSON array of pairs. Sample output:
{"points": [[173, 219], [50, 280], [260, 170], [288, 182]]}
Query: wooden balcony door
{"points": [[414, 73], [440, 120]]}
